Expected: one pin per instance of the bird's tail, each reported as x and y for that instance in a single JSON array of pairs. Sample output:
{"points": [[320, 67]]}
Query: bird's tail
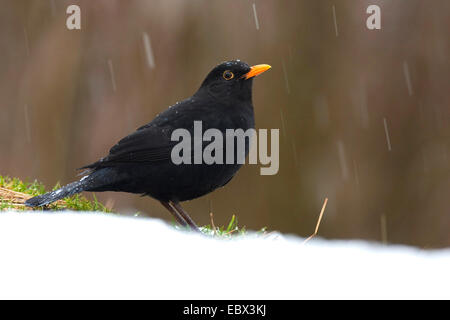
{"points": [[49, 197]]}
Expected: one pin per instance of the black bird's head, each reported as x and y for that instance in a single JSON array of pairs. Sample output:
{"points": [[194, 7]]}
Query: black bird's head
{"points": [[231, 80]]}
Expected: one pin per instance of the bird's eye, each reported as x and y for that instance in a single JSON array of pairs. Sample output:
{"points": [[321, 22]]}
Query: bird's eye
{"points": [[228, 75]]}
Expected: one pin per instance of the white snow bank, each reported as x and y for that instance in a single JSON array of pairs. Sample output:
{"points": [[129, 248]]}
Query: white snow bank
{"points": [[88, 255]]}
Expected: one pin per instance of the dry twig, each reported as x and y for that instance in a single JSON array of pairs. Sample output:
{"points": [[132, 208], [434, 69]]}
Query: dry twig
{"points": [[318, 222]]}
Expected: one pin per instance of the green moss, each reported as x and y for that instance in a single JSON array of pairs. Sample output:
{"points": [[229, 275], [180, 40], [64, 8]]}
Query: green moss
{"points": [[76, 202]]}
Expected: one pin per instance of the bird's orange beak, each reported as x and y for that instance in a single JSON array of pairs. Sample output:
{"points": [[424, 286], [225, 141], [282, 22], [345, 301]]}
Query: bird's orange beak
{"points": [[255, 70]]}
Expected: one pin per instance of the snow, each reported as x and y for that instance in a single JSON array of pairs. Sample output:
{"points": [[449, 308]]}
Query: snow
{"points": [[91, 255]]}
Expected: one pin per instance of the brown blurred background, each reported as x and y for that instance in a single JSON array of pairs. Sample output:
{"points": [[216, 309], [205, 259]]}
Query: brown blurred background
{"points": [[363, 115]]}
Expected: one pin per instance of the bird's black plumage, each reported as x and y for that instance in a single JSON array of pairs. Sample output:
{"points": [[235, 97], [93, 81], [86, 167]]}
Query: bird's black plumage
{"points": [[141, 162]]}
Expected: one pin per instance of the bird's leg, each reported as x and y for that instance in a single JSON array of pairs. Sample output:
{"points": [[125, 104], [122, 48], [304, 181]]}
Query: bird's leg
{"points": [[185, 215], [174, 212]]}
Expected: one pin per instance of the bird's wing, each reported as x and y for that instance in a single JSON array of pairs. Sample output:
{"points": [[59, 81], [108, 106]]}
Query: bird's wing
{"points": [[151, 143], [146, 145]]}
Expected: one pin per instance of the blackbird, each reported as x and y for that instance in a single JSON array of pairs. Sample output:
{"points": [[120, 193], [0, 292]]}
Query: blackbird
{"points": [[141, 162]]}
